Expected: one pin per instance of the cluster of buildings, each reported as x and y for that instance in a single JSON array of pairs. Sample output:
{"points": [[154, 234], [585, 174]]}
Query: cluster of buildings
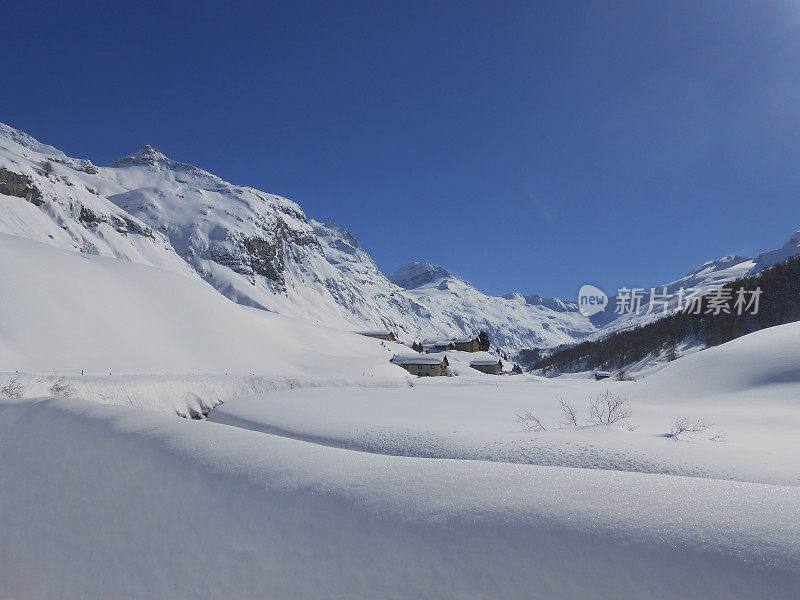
{"points": [[430, 359], [468, 344]]}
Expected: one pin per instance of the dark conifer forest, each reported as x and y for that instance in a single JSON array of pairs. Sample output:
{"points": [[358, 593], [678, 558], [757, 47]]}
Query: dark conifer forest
{"points": [[779, 303]]}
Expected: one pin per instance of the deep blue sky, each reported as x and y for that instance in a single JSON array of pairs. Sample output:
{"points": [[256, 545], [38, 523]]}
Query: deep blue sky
{"points": [[528, 146]]}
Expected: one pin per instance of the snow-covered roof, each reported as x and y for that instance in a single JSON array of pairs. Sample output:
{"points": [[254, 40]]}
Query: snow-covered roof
{"points": [[418, 359], [376, 332], [484, 362], [437, 342], [445, 341]]}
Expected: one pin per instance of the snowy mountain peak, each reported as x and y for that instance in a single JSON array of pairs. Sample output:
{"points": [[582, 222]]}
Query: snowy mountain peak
{"points": [[417, 274], [555, 304], [148, 156]]}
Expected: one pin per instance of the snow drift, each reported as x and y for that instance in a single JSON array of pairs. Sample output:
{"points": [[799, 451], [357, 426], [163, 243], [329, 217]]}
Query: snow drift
{"points": [[64, 312], [767, 357], [148, 505]]}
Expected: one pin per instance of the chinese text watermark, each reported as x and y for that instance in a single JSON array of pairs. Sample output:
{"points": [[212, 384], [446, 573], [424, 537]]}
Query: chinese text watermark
{"points": [[710, 301]]}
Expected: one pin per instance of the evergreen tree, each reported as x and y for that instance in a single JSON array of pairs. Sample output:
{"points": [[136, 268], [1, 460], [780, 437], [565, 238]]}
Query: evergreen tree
{"points": [[483, 341]]}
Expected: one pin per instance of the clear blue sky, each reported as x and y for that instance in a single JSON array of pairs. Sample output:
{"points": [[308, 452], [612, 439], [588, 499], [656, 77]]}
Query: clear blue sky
{"points": [[527, 146]]}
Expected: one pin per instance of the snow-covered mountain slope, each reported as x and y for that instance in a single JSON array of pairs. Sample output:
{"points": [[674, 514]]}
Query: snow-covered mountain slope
{"points": [[769, 259], [768, 357], [49, 197], [702, 279], [516, 321], [255, 248], [261, 250], [417, 274], [513, 322], [64, 312]]}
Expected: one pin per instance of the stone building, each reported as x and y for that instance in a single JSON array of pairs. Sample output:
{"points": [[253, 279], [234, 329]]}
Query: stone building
{"points": [[469, 344], [488, 366], [388, 336], [423, 365]]}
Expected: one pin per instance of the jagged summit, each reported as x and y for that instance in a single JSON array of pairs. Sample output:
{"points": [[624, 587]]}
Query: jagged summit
{"points": [[151, 157], [555, 304], [417, 274], [147, 155], [150, 154]]}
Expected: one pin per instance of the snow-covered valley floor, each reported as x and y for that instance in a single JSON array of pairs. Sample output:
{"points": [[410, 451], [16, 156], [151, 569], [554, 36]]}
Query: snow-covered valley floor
{"points": [[478, 421], [111, 501], [362, 491], [377, 484]]}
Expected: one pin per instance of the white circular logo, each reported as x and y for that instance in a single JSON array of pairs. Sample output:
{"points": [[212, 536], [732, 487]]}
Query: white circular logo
{"points": [[591, 300]]}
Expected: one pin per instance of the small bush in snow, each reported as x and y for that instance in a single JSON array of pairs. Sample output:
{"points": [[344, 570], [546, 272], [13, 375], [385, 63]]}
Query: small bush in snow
{"points": [[12, 389], [568, 416], [608, 408], [530, 422], [684, 426], [62, 387]]}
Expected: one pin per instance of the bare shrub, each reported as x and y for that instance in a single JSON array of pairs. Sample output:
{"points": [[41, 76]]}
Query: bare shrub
{"points": [[530, 422], [623, 376], [62, 387], [568, 416], [685, 425], [12, 389], [608, 408]]}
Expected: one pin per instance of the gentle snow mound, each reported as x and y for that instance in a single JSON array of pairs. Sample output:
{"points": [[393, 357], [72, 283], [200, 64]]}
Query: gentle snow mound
{"points": [[151, 506], [63, 312]]}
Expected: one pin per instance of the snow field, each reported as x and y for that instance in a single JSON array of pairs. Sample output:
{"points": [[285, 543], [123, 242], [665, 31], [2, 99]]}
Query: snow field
{"points": [[108, 501]]}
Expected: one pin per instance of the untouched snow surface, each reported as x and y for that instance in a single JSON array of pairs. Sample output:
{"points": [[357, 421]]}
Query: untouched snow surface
{"points": [[146, 505], [747, 389], [63, 312]]}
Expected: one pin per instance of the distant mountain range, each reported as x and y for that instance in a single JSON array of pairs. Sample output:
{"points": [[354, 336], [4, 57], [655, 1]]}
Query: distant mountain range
{"points": [[261, 250]]}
